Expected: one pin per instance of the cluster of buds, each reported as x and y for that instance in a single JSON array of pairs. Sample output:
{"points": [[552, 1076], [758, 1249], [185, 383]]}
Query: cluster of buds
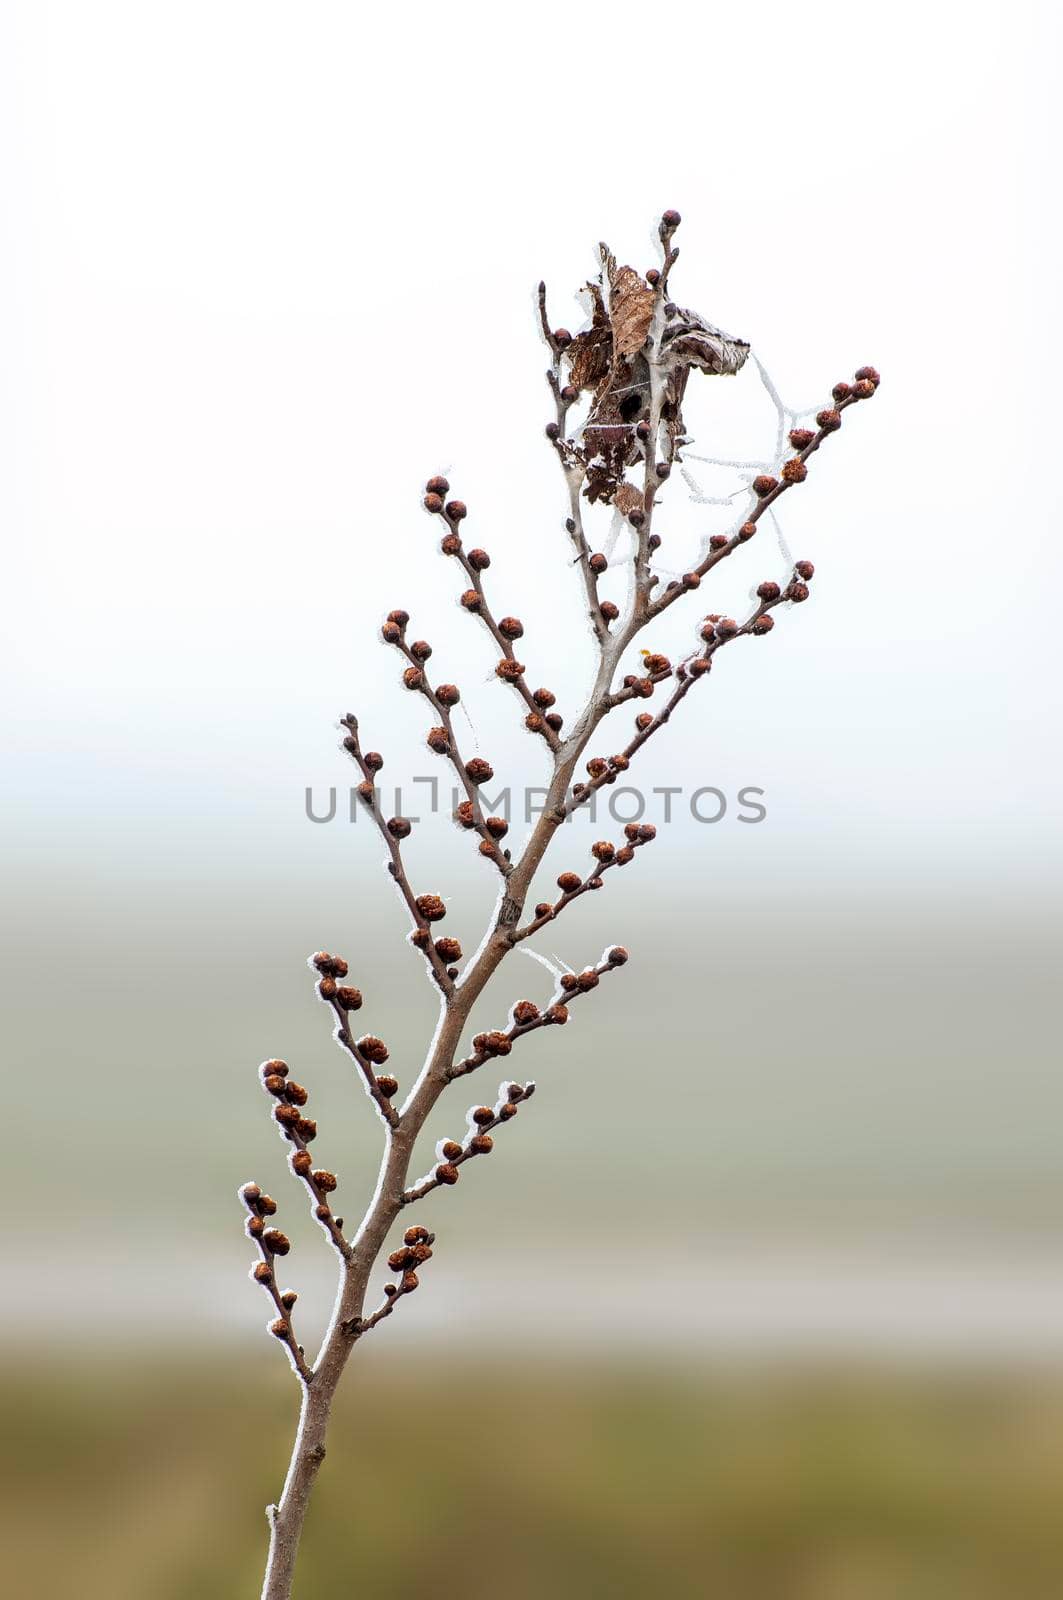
{"points": [[368, 1052], [415, 1250], [300, 1131], [271, 1243], [505, 630], [482, 1122], [606, 856]]}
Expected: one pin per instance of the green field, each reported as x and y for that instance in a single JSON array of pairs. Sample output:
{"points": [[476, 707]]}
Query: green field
{"points": [[498, 1479]]}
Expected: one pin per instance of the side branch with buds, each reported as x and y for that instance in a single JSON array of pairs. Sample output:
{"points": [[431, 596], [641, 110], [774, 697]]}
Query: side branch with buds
{"points": [[618, 388]]}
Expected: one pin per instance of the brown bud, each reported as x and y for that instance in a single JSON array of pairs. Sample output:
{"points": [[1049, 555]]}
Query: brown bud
{"points": [[448, 694], [644, 720], [534, 722], [413, 678], [472, 599], [279, 1328], [768, 590], [417, 1234], [262, 1273], [569, 393], [327, 988], [554, 720], [294, 1093], [558, 1014], [391, 633], [438, 740], [617, 956], [544, 698], [482, 1144], [419, 938], [726, 628], [636, 517], [670, 219], [746, 532], [515, 1091], [420, 649], [448, 949], [446, 1172], [507, 1112], [323, 1213], [301, 1163], [603, 851], [691, 580], [828, 421], [647, 832], [288, 1299], [478, 770], [511, 628], [609, 611], [762, 625], [864, 389], [867, 375], [431, 907], [840, 391], [410, 1280], [699, 665], [251, 1194], [497, 1043], [482, 1116], [543, 909], [274, 1086], [796, 592], [451, 1150], [804, 569], [619, 762], [277, 1243], [656, 664], [525, 1011], [254, 1227], [456, 510], [433, 503], [388, 1086], [274, 1068], [569, 982], [598, 563], [497, 827], [367, 793], [373, 1049], [398, 1260], [588, 980], [479, 560], [801, 438], [450, 544], [509, 671], [763, 484], [349, 999], [624, 855], [464, 815], [794, 471], [653, 277], [420, 1253], [306, 1128], [569, 882], [437, 485], [286, 1115], [597, 767]]}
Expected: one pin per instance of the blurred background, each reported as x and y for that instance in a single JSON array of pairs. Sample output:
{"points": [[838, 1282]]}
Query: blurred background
{"points": [[761, 1296]]}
